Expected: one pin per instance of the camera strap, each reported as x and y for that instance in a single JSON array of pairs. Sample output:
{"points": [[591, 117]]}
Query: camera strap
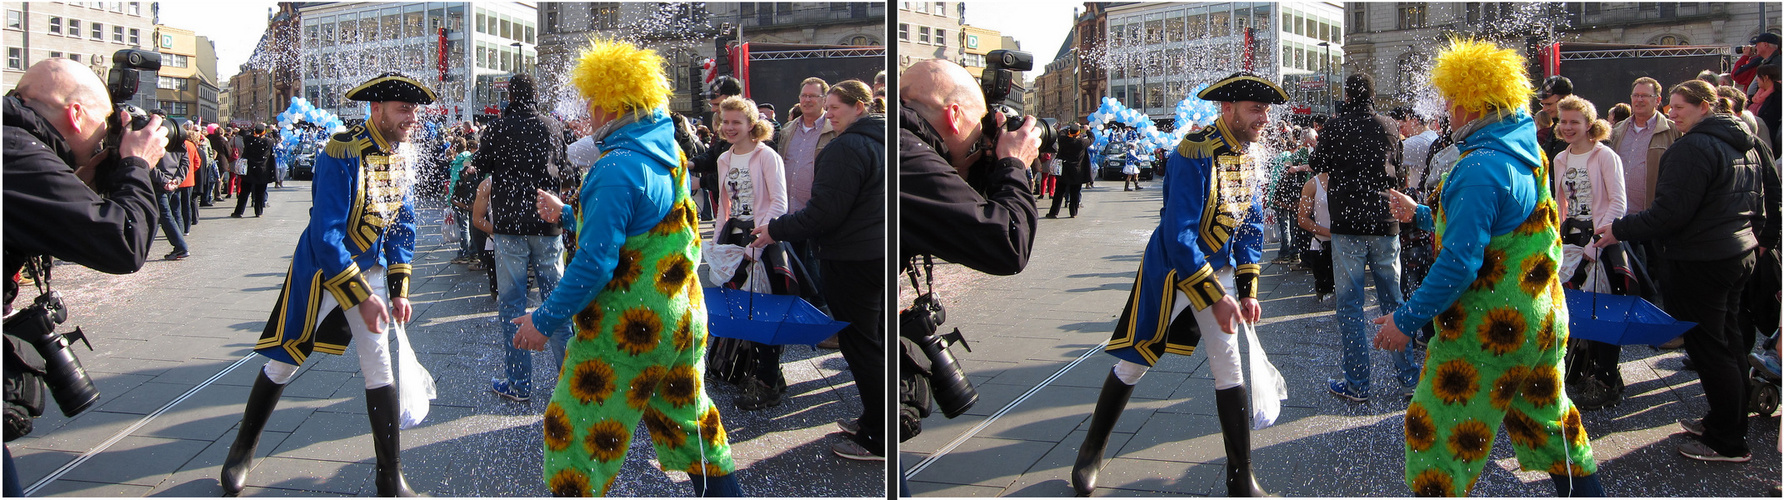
{"points": [[40, 272], [928, 275]]}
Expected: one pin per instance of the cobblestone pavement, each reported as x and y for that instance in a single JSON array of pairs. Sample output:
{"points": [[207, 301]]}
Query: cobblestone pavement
{"points": [[174, 364], [1038, 368]]}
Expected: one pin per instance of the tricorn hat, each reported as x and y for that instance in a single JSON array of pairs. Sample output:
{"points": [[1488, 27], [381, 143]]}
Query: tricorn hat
{"points": [[392, 86], [1244, 86]]}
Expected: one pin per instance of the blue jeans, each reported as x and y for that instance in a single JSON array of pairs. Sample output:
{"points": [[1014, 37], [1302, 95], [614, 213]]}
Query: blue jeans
{"points": [[1288, 249], [1382, 254], [513, 254], [463, 229], [170, 221]]}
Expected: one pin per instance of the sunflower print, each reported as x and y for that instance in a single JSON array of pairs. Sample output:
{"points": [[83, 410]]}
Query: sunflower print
{"points": [[673, 274], [558, 432], [1492, 268], [1432, 483], [592, 381], [588, 322], [1470, 440], [1541, 218], [638, 331], [711, 428], [1503, 331], [682, 386], [663, 430], [1421, 433], [1538, 271], [569, 482], [708, 470], [1562, 468], [1456, 381], [684, 331], [607, 441], [1545, 336], [626, 270], [1449, 322], [672, 223], [643, 386], [1506, 387], [1525, 431], [1543, 387], [1570, 424]]}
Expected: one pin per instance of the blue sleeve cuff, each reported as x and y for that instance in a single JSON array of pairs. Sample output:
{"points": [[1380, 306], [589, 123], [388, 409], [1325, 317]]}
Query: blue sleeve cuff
{"points": [[1424, 220], [597, 242]]}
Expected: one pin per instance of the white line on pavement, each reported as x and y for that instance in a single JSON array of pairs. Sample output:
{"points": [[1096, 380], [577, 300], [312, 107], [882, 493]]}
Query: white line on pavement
{"points": [[1000, 413], [126, 432]]}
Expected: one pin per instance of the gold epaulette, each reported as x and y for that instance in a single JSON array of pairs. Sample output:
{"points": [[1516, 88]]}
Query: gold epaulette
{"points": [[1204, 143], [346, 145]]}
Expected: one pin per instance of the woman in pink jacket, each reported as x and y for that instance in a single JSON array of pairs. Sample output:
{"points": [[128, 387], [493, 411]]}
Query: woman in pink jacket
{"points": [[1588, 184], [752, 191]]}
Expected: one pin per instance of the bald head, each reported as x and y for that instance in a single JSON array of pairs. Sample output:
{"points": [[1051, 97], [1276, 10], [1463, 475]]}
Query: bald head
{"points": [[947, 97], [58, 82]]}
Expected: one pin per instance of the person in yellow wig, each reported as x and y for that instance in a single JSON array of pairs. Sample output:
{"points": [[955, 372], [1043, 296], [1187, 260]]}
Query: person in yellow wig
{"points": [[1493, 292], [631, 292]]}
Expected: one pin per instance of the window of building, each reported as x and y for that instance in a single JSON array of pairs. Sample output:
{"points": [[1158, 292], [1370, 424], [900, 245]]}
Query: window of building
{"points": [[55, 54], [134, 8], [118, 34], [115, 6], [74, 27], [529, 31], [98, 31], [941, 36], [15, 20], [56, 24], [15, 58], [74, 57], [859, 40], [1410, 16], [480, 23], [922, 34], [165, 82], [941, 9], [481, 59], [508, 29], [904, 32], [135, 37], [1358, 21]]}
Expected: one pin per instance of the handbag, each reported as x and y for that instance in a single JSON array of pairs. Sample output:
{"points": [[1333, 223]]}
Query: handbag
{"points": [[1053, 167], [415, 386], [240, 167], [1576, 232]]}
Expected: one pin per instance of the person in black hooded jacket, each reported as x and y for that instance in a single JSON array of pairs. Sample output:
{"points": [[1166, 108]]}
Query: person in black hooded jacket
{"points": [[846, 216], [1715, 203]]}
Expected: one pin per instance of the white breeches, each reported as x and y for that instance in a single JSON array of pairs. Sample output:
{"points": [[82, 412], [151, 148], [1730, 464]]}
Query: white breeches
{"points": [[374, 348], [1222, 348]]}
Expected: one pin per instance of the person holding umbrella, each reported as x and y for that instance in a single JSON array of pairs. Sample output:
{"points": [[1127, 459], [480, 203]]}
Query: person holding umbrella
{"points": [[1500, 317], [631, 292]]}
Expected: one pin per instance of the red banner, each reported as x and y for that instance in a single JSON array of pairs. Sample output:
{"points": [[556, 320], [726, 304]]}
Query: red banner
{"points": [[442, 57], [740, 62]]}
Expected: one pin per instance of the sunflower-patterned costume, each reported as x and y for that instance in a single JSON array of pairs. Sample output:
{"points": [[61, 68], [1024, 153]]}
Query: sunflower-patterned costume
{"points": [[635, 301], [1501, 319]]}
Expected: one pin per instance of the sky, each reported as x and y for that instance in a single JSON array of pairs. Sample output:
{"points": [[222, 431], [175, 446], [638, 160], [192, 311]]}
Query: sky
{"points": [[234, 25], [1039, 25]]}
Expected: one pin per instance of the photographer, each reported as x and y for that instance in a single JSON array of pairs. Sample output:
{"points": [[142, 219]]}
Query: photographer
{"points": [[65, 196]]}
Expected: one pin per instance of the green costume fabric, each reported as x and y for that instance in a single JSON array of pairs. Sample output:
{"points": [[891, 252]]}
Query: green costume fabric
{"points": [[636, 355], [1496, 360]]}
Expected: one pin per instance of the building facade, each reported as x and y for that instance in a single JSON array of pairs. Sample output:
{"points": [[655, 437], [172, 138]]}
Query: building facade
{"points": [[1092, 32], [225, 105], [1157, 53], [929, 30], [1399, 38], [186, 86], [975, 43], [254, 98], [85, 32], [1056, 90], [821, 23], [465, 50]]}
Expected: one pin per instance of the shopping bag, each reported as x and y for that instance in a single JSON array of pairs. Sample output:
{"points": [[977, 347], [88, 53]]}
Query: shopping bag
{"points": [[1268, 389], [240, 167], [415, 386]]}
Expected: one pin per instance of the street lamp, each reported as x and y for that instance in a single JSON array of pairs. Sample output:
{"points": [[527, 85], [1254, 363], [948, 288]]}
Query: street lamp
{"points": [[1328, 67], [518, 57]]}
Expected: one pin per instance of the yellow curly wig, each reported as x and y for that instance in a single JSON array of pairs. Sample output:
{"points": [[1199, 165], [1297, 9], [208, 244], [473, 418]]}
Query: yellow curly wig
{"points": [[619, 77], [1481, 77]]}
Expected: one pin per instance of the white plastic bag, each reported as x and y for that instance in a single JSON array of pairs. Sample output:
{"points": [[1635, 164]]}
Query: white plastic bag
{"points": [[1268, 389], [240, 167], [415, 386]]}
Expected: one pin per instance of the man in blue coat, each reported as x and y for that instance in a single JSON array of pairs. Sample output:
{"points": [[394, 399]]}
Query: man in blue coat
{"points": [[1197, 278], [355, 253]]}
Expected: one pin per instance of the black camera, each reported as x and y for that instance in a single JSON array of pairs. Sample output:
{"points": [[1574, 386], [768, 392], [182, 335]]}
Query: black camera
{"points": [[919, 324], [1003, 93], [49, 361], [128, 65]]}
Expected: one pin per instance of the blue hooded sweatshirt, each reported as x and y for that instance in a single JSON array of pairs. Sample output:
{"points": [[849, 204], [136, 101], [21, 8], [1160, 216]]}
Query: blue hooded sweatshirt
{"points": [[626, 193], [1491, 190]]}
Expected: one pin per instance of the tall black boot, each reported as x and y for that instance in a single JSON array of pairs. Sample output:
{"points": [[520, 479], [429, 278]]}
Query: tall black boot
{"points": [[1234, 408], [1109, 405], [381, 406], [261, 401]]}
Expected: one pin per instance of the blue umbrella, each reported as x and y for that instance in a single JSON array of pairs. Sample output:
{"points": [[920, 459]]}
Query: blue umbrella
{"points": [[1620, 319], [765, 318]]}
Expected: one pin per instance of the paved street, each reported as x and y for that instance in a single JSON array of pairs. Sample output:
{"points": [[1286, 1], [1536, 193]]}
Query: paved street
{"points": [[1038, 368], [174, 365]]}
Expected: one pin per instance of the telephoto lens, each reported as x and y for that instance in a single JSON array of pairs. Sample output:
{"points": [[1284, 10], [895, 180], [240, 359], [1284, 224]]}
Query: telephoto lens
{"points": [[954, 393], [67, 380]]}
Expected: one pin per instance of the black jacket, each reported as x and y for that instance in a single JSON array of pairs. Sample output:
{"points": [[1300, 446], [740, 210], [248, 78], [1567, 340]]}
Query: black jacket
{"points": [[516, 151], [50, 212], [986, 224], [1716, 197], [1074, 159], [847, 210], [1359, 148], [173, 167], [262, 164]]}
